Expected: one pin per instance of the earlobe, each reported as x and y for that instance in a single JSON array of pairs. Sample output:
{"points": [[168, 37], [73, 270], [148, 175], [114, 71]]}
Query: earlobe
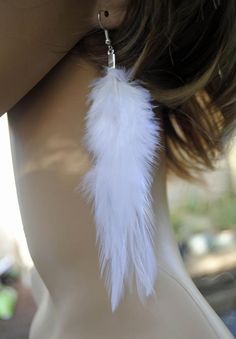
{"points": [[116, 10]]}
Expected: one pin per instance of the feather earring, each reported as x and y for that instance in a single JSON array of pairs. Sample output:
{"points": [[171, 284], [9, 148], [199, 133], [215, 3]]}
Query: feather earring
{"points": [[122, 135]]}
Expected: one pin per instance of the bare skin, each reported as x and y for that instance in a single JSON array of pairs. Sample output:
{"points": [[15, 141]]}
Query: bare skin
{"points": [[46, 127]]}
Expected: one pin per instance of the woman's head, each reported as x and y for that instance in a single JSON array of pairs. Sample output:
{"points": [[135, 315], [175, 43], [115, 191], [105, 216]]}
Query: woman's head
{"points": [[185, 53]]}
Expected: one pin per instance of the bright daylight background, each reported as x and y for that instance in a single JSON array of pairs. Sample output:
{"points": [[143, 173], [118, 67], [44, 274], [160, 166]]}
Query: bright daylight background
{"points": [[204, 219]]}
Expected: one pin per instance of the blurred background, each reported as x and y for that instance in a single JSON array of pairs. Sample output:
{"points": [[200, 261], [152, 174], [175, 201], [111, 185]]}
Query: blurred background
{"points": [[203, 217]]}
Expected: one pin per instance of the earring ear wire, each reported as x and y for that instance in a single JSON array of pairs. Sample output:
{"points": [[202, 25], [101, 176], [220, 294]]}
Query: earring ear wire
{"points": [[106, 14], [110, 50]]}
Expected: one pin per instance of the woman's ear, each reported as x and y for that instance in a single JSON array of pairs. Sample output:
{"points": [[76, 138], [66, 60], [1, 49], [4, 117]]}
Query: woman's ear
{"points": [[116, 9]]}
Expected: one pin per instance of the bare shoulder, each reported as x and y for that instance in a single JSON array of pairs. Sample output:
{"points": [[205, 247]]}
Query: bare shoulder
{"points": [[34, 36]]}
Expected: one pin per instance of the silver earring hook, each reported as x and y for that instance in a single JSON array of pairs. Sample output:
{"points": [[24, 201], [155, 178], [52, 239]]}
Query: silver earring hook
{"points": [[106, 13], [110, 51]]}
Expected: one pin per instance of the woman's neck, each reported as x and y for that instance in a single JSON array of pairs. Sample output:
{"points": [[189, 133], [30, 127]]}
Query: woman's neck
{"points": [[165, 243], [46, 130]]}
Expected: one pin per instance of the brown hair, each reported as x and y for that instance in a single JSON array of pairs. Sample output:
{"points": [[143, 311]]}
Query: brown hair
{"points": [[185, 53]]}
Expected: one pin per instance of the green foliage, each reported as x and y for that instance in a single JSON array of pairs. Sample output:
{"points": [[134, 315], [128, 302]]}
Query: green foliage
{"points": [[196, 214], [223, 212]]}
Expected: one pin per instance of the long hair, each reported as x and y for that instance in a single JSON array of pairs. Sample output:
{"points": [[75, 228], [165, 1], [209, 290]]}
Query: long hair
{"points": [[185, 53]]}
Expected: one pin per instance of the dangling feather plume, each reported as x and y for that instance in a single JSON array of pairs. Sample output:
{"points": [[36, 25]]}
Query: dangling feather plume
{"points": [[122, 135]]}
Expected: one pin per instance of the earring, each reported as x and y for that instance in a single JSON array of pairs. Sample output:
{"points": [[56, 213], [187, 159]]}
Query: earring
{"points": [[122, 134]]}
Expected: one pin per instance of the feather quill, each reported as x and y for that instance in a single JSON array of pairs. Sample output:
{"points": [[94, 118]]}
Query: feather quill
{"points": [[122, 135]]}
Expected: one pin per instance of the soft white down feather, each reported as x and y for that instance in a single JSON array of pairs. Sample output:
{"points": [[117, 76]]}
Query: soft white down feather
{"points": [[122, 135]]}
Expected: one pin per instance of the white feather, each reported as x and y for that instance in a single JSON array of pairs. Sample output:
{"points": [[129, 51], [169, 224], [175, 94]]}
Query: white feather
{"points": [[123, 137]]}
